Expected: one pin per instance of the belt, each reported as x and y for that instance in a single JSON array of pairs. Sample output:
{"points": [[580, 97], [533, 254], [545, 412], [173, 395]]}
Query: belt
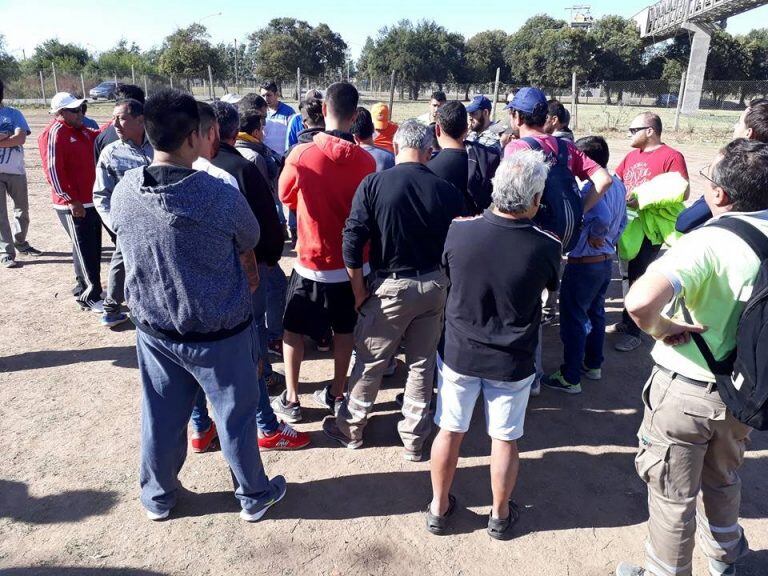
{"points": [[676, 376], [588, 259], [407, 272]]}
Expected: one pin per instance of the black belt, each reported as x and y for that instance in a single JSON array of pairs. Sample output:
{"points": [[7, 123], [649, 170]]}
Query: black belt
{"points": [[676, 376], [407, 272]]}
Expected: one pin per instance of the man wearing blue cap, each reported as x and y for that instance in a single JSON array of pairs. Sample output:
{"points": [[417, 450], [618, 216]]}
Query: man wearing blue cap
{"points": [[528, 112], [480, 124]]}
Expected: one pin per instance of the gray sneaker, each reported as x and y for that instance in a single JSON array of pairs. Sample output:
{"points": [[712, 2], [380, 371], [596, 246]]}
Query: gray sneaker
{"points": [[628, 343], [627, 569], [717, 568], [278, 486], [332, 431], [324, 399], [591, 373], [289, 412]]}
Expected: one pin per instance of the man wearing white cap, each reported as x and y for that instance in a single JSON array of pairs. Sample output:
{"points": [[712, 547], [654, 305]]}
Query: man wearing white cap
{"points": [[66, 150]]}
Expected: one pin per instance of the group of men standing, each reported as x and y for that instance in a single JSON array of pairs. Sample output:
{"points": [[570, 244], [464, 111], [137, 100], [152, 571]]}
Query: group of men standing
{"points": [[399, 250]]}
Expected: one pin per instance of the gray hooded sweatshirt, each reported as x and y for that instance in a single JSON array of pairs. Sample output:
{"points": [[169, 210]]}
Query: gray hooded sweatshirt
{"points": [[181, 243]]}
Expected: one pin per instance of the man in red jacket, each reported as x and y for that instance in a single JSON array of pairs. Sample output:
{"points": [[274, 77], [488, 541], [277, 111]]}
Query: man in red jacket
{"points": [[66, 150], [319, 181]]}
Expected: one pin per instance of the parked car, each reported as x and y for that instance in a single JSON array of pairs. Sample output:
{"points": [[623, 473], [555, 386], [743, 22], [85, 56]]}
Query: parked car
{"points": [[666, 100], [106, 90]]}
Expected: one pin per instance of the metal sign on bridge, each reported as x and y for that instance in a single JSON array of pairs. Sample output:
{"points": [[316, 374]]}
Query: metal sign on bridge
{"points": [[668, 18]]}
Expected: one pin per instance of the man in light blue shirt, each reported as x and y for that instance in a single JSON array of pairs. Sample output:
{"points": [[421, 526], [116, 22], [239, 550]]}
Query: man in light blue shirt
{"points": [[278, 115], [13, 182], [586, 279]]}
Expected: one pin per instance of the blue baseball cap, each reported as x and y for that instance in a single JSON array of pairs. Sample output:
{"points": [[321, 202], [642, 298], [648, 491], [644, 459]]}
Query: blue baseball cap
{"points": [[479, 102], [528, 100]]}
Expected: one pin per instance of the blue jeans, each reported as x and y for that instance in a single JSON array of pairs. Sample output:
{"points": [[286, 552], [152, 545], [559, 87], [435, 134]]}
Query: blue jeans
{"points": [[266, 421], [276, 284], [172, 374], [582, 316]]}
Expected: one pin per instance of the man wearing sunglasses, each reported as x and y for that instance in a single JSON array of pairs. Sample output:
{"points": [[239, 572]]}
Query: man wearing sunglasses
{"points": [[66, 150], [650, 158]]}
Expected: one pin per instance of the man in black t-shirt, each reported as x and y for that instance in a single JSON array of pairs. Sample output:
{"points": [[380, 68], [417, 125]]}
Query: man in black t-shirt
{"points": [[498, 264], [451, 162]]}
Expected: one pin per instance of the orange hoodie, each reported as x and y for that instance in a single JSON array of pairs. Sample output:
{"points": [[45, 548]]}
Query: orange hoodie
{"points": [[319, 181]]}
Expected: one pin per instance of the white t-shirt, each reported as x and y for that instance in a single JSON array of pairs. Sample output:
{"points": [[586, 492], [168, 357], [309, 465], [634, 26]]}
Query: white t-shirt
{"points": [[203, 165]]}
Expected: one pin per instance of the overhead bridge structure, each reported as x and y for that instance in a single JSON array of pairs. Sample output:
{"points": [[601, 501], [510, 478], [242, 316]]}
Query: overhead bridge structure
{"points": [[668, 18]]}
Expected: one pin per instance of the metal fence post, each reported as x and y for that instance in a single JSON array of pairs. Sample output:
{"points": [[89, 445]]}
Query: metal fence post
{"points": [[42, 86], [495, 93], [82, 83], [115, 75], [210, 80], [391, 93], [574, 103], [298, 84], [55, 82], [171, 78], [133, 75], [680, 94], [146, 92]]}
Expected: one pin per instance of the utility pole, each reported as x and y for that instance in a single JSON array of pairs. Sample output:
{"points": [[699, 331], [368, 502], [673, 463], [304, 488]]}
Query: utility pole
{"points": [[55, 82], [237, 83], [42, 86], [210, 81]]}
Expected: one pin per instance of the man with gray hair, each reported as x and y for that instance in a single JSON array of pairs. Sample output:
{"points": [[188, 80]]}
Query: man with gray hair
{"points": [[404, 212], [498, 263]]}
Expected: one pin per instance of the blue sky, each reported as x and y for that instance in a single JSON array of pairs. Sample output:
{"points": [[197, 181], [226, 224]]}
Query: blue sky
{"points": [[25, 23]]}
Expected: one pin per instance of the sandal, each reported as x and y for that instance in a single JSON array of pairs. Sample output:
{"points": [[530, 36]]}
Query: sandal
{"points": [[439, 524], [501, 529]]}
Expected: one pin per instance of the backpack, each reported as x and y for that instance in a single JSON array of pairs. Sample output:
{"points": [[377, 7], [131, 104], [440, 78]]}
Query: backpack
{"points": [[483, 162], [561, 207], [742, 376]]}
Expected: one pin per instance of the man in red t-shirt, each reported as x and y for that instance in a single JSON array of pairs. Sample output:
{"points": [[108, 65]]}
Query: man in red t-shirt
{"points": [[649, 159]]}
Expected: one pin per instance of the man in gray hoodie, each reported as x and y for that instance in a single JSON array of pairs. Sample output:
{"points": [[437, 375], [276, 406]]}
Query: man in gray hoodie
{"points": [[182, 233]]}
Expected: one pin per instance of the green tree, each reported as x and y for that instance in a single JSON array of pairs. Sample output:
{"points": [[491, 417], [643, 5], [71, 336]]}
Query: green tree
{"points": [[521, 48], [188, 53], [66, 57], [618, 50], [287, 43], [9, 67], [556, 54], [121, 58], [425, 52], [484, 53]]}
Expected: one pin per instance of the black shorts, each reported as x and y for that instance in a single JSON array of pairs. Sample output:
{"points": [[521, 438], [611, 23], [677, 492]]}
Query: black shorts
{"points": [[312, 306]]}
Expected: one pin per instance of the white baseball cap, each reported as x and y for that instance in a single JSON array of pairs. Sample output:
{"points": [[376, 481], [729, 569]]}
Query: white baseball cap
{"points": [[231, 98], [65, 100]]}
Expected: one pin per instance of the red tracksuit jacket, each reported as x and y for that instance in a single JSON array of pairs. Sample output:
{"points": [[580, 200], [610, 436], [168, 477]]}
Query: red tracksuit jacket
{"points": [[67, 156]]}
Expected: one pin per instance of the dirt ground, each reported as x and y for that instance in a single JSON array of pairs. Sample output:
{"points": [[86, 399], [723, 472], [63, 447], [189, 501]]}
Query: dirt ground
{"points": [[69, 408]]}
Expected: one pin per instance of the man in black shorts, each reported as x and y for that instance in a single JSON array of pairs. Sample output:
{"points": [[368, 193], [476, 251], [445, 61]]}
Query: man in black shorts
{"points": [[319, 181]]}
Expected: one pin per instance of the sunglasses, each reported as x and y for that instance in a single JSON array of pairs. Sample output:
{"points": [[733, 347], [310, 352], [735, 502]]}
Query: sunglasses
{"points": [[72, 110], [636, 130]]}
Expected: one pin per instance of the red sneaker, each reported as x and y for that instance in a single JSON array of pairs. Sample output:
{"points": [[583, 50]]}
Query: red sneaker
{"points": [[284, 438], [201, 441]]}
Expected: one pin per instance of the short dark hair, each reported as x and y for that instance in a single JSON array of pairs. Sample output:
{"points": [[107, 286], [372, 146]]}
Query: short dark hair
{"points": [[130, 92], [756, 118], [2, 89], [170, 116], [595, 148], [652, 120], [250, 120], [135, 108], [452, 119], [269, 86], [252, 101], [438, 95], [207, 116], [536, 118], [228, 118], [341, 98], [312, 113], [556, 108], [362, 127], [743, 174]]}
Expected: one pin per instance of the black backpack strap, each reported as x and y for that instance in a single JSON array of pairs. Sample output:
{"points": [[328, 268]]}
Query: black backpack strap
{"points": [[532, 142], [562, 152], [724, 366], [747, 232]]}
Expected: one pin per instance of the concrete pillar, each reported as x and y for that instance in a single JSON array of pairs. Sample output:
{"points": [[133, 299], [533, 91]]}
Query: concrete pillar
{"points": [[697, 65]]}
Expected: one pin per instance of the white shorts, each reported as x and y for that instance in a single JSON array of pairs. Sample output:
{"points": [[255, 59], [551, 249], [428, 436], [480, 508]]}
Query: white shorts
{"points": [[505, 402]]}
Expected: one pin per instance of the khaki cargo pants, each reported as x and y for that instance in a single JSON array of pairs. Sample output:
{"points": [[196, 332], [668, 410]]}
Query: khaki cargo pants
{"points": [[691, 447], [400, 309]]}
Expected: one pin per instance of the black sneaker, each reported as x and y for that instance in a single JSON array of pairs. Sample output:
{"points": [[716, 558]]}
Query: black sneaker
{"points": [[332, 431], [29, 250]]}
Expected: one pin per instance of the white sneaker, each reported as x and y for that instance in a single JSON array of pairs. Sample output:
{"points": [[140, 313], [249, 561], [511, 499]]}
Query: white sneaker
{"points": [[97, 307], [157, 517]]}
